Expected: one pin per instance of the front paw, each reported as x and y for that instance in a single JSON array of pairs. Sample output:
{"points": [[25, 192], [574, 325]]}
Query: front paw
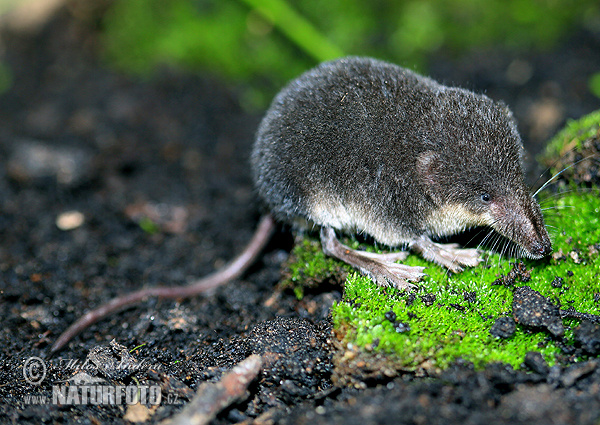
{"points": [[396, 275]]}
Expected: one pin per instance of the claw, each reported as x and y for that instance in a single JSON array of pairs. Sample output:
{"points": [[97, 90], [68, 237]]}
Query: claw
{"points": [[397, 275]]}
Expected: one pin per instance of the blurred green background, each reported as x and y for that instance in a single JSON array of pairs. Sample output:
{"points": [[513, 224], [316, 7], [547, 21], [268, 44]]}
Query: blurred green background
{"points": [[261, 44], [267, 42]]}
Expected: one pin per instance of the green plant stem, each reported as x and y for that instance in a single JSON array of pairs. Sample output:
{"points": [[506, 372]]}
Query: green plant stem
{"points": [[296, 28]]}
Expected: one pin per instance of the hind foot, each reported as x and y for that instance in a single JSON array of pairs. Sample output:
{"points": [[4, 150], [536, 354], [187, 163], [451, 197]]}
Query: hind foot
{"points": [[380, 267]]}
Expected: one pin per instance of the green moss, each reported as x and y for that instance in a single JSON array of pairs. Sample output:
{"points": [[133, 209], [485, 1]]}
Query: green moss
{"points": [[571, 138], [267, 42], [457, 324], [149, 226], [308, 267], [454, 326], [594, 84], [6, 78]]}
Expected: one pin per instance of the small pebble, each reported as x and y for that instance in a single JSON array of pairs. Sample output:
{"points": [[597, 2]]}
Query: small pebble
{"points": [[530, 308], [401, 327], [503, 327], [587, 336], [577, 371], [557, 282], [69, 220], [390, 316], [428, 299], [536, 363], [470, 296], [33, 160]]}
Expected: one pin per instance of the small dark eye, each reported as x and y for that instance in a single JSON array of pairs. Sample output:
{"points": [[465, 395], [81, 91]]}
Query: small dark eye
{"points": [[485, 198]]}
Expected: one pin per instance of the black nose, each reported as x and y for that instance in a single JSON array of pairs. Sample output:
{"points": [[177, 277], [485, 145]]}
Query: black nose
{"points": [[542, 249]]}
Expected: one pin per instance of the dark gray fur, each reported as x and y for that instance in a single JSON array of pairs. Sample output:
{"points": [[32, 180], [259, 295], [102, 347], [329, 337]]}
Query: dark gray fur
{"points": [[400, 146]]}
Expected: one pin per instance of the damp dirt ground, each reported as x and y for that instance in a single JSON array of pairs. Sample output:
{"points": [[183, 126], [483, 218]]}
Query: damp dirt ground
{"points": [[109, 184]]}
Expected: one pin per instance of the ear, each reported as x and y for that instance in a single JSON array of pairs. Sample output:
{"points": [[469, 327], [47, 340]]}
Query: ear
{"points": [[428, 170], [428, 163]]}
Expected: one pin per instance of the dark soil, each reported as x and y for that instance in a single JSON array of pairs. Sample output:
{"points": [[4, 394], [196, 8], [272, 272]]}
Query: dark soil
{"points": [[159, 171]]}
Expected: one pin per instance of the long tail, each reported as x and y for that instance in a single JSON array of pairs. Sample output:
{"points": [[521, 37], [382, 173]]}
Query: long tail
{"points": [[230, 271]]}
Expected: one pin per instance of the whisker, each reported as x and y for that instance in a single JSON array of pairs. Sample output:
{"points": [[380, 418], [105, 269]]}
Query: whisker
{"points": [[556, 207], [474, 236], [484, 240], [482, 243], [564, 192], [560, 172], [553, 164], [496, 240], [504, 248]]}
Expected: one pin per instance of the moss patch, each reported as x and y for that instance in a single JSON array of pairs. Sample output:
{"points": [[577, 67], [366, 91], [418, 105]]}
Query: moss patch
{"points": [[573, 136], [308, 267], [450, 317], [574, 153]]}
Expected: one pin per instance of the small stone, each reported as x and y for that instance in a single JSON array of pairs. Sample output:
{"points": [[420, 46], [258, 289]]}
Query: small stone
{"points": [[503, 327], [521, 270], [137, 413], [69, 220], [536, 362], [470, 296], [518, 272], [530, 308], [587, 336], [401, 327], [575, 257], [559, 255], [428, 299], [390, 316], [557, 282], [573, 373], [33, 161], [162, 216]]}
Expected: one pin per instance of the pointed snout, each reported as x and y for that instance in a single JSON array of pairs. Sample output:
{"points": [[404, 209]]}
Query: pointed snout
{"points": [[523, 223], [540, 244], [540, 249]]}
